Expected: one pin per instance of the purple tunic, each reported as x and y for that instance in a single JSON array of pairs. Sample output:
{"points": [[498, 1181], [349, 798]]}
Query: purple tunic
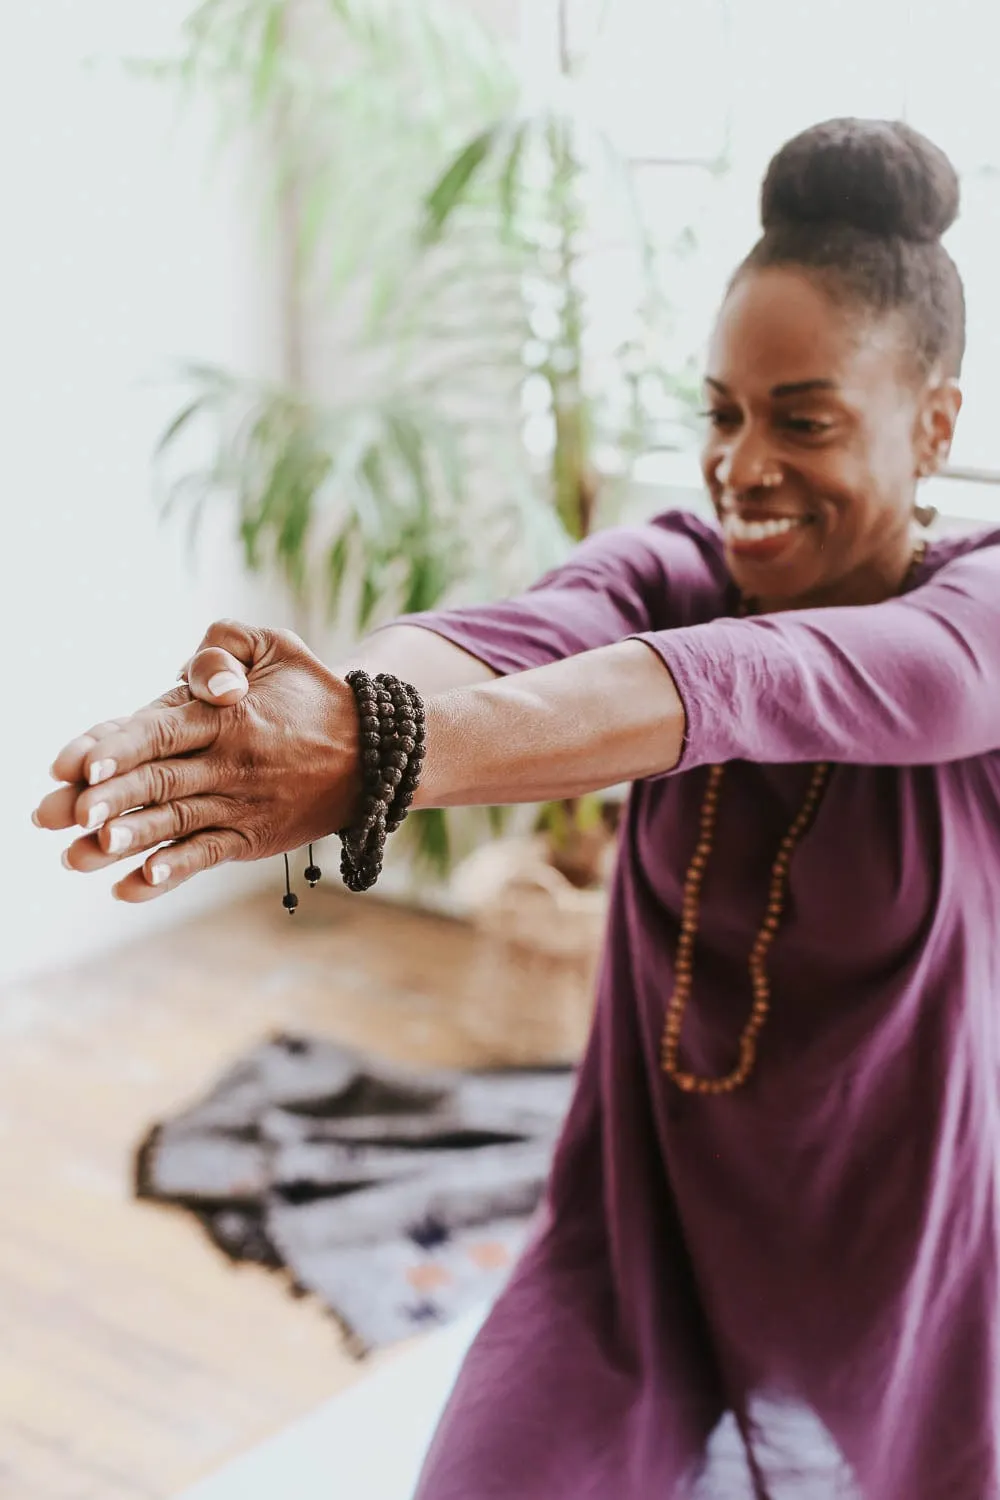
{"points": [[825, 1240]]}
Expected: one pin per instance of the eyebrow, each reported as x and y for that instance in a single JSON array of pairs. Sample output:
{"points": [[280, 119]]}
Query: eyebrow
{"points": [[793, 388]]}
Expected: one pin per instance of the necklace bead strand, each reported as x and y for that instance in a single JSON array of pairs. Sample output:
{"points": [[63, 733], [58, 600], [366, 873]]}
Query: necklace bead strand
{"points": [[692, 1083], [760, 985]]}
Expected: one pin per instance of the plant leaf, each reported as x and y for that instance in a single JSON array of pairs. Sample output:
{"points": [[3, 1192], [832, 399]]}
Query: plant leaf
{"points": [[448, 191], [430, 839], [186, 414], [509, 182]]}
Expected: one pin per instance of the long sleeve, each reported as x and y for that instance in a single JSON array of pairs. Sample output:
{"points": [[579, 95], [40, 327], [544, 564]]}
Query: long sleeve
{"points": [[912, 681], [619, 582]]}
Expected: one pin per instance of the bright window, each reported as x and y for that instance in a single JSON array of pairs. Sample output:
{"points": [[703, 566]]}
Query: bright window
{"points": [[675, 82]]}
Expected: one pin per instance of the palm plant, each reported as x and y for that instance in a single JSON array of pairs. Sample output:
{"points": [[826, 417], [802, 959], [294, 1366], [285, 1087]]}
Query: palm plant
{"points": [[446, 426], [589, 411]]}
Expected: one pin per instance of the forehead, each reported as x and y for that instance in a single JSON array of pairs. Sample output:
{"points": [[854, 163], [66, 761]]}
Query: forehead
{"points": [[779, 327]]}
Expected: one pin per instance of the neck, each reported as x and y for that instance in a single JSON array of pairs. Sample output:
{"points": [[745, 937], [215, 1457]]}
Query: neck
{"points": [[877, 579]]}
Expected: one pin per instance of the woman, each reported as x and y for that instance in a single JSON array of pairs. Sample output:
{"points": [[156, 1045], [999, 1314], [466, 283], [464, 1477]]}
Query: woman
{"points": [[779, 1179]]}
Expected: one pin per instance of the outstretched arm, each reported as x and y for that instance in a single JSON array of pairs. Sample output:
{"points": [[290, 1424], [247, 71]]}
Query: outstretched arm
{"points": [[277, 766], [911, 681]]}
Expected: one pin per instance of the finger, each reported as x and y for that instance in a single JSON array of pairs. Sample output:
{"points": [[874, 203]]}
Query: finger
{"points": [[246, 644], [171, 867], [155, 783], [234, 648], [176, 698], [57, 810], [216, 676], [146, 829], [68, 765], [154, 735], [85, 762], [230, 651]]}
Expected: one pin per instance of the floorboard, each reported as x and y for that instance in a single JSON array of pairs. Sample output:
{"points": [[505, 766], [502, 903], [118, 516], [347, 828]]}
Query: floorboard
{"points": [[133, 1358]]}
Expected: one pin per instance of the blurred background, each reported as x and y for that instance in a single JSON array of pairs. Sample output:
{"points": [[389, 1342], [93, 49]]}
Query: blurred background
{"points": [[316, 311]]}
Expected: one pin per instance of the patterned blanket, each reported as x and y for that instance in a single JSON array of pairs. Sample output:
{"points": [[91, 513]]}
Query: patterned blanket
{"points": [[399, 1199]]}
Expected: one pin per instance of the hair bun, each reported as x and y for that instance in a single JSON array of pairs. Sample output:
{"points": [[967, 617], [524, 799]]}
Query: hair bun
{"points": [[879, 176]]}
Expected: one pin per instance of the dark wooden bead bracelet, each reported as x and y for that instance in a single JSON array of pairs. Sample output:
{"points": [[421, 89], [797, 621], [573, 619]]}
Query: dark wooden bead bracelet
{"points": [[392, 740]]}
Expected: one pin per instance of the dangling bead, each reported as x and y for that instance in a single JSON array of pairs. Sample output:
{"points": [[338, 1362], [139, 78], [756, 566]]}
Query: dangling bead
{"points": [[313, 872], [289, 900]]}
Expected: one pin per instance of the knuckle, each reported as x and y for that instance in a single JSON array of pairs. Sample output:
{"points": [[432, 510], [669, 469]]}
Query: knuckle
{"points": [[224, 625], [161, 779], [162, 735], [217, 848], [184, 819]]}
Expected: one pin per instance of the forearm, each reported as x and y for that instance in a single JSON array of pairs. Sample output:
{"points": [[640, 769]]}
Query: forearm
{"points": [[592, 721], [419, 656]]}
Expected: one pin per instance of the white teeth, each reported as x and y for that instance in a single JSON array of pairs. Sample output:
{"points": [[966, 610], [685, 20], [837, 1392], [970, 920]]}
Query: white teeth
{"points": [[756, 531]]}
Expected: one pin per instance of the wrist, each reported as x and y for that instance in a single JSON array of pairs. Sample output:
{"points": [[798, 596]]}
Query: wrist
{"points": [[343, 741]]}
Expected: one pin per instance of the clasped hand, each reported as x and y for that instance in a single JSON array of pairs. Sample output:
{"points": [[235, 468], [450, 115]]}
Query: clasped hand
{"points": [[253, 754]]}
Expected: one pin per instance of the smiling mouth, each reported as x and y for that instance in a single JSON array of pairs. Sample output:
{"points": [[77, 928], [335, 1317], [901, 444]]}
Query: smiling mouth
{"points": [[764, 540], [736, 529]]}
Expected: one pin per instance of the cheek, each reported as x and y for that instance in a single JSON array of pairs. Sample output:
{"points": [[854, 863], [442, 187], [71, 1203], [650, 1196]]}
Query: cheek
{"points": [[712, 454]]}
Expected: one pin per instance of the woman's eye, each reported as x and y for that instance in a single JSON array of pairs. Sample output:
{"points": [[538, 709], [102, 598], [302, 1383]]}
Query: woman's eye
{"points": [[721, 420], [807, 426]]}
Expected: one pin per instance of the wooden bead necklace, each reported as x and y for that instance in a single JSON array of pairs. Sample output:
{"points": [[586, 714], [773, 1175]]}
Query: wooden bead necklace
{"points": [[693, 1083]]}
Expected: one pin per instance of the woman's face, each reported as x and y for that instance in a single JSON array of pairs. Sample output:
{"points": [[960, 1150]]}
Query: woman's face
{"points": [[818, 430]]}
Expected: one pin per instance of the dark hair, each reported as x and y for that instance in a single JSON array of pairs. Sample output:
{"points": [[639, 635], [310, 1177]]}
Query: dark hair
{"points": [[863, 204]]}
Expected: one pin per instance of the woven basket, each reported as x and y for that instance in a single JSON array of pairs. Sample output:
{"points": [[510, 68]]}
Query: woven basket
{"points": [[533, 999]]}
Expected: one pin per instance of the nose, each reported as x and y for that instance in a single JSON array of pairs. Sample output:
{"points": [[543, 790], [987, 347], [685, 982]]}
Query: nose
{"points": [[744, 461]]}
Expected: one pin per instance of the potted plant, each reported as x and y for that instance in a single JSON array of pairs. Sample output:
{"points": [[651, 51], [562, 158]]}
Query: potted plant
{"points": [[447, 424], [589, 410]]}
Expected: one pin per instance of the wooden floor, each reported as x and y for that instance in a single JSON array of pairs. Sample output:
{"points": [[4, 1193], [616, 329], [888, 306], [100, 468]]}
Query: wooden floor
{"points": [[133, 1358]]}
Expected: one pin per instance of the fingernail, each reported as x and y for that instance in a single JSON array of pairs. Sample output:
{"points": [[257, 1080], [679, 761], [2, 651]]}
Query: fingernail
{"points": [[102, 770], [64, 858], [159, 874], [225, 682], [36, 819], [119, 838], [98, 815]]}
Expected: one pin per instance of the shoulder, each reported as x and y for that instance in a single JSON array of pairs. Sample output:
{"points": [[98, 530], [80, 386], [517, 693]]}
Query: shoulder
{"points": [[981, 548], [675, 558]]}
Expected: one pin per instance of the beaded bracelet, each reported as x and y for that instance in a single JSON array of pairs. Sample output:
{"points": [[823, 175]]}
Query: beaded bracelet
{"points": [[393, 736]]}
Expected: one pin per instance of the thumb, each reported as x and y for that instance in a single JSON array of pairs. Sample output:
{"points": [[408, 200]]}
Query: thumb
{"points": [[217, 673], [216, 677]]}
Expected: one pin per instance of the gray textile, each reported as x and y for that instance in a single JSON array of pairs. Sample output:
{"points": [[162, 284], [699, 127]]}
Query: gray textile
{"points": [[400, 1199]]}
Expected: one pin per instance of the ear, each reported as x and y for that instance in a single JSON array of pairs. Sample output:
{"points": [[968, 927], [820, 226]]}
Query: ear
{"points": [[935, 428]]}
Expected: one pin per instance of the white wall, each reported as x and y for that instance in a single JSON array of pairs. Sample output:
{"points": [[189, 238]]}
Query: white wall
{"points": [[123, 249]]}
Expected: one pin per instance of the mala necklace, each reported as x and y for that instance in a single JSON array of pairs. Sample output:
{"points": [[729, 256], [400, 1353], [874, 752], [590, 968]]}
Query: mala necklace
{"points": [[693, 1083]]}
